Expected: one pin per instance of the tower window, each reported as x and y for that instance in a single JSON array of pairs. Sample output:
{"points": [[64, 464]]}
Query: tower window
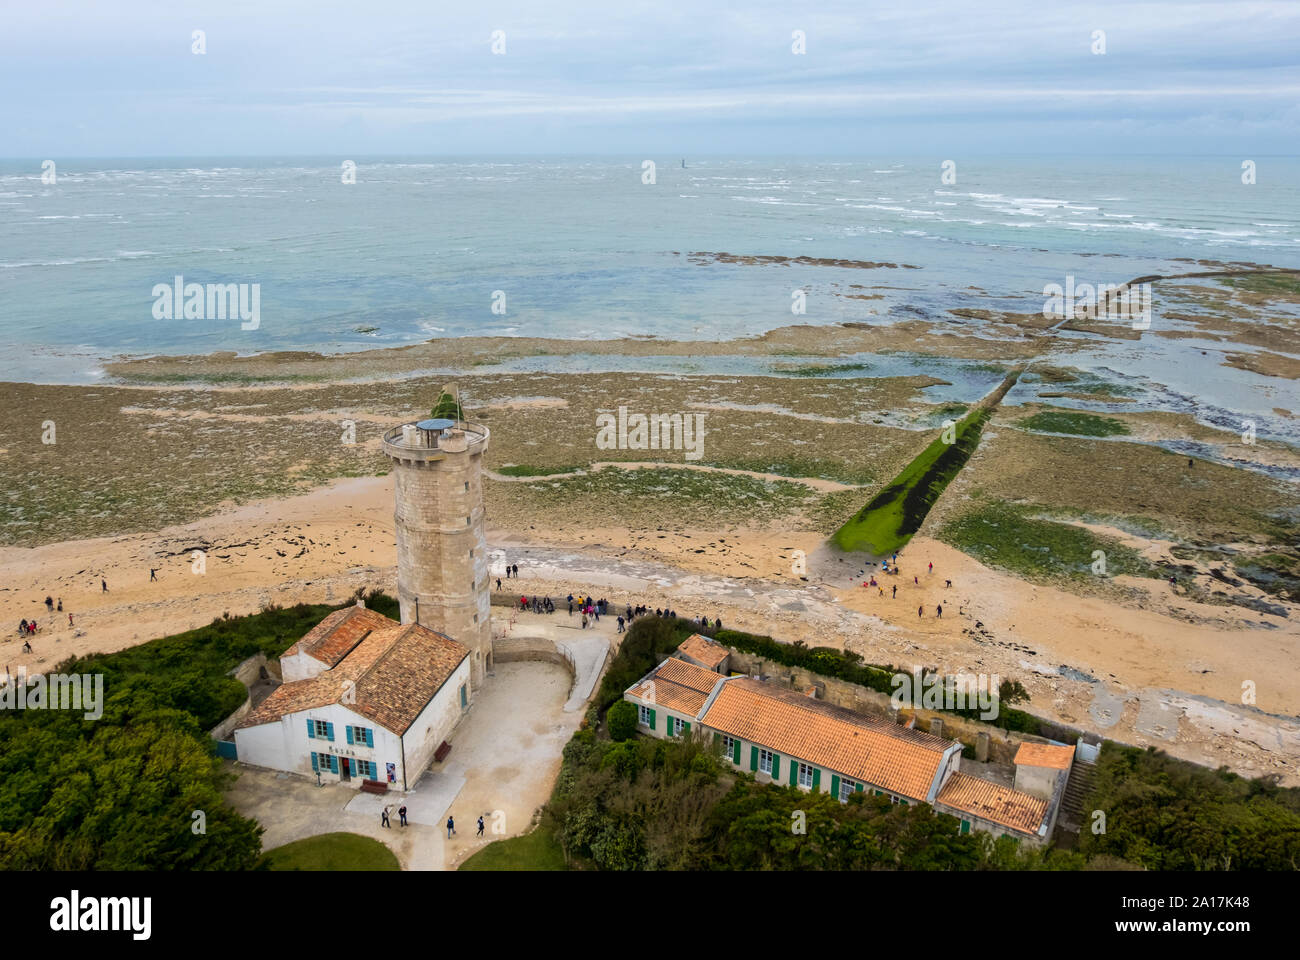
{"points": [[467, 521], [467, 486]]}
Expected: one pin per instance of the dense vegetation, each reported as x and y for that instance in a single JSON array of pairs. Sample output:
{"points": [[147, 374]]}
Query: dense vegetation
{"points": [[120, 792], [1166, 814]]}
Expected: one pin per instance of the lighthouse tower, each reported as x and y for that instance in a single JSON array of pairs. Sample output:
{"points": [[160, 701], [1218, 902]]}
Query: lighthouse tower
{"points": [[442, 563]]}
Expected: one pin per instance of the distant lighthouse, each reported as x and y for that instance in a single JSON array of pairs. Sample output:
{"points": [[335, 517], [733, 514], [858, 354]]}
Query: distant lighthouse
{"points": [[442, 562]]}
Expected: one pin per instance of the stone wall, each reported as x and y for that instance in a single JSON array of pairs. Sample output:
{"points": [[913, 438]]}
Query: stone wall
{"points": [[1002, 744]]}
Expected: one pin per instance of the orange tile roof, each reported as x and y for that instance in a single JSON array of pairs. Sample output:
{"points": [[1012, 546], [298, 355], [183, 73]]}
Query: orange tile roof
{"points": [[331, 639], [676, 685], [994, 802], [704, 650], [864, 748], [389, 676], [1045, 755]]}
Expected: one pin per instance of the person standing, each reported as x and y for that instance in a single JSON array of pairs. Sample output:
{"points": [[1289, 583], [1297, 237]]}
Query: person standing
{"points": [[918, 613], [383, 819], [153, 574], [451, 827], [895, 593], [939, 611], [103, 585], [498, 583], [401, 814], [49, 604], [69, 619], [516, 570], [60, 604], [480, 825]]}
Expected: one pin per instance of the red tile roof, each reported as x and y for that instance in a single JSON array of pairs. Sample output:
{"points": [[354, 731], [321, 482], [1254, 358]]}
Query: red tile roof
{"points": [[993, 802], [331, 639], [389, 674], [703, 650], [676, 685], [1052, 755], [863, 748]]}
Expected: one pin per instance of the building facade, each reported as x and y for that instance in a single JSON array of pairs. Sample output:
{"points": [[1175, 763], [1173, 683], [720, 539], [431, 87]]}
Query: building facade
{"points": [[363, 698], [787, 738]]}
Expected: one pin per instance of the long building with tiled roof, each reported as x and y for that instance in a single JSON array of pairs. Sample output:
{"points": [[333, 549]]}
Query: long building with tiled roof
{"points": [[363, 698], [784, 737]]}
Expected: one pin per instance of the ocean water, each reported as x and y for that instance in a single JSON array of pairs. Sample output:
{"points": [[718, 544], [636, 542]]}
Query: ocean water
{"points": [[582, 247]]}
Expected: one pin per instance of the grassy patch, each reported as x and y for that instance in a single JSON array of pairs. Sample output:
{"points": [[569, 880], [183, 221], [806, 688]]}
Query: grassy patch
{"points": [[886, 523], [1278, 284], [789, 466], [1074, 423], [528, 470], [692, 494], [331, 851], [825, 370], [538, 850], [1009, 537]]}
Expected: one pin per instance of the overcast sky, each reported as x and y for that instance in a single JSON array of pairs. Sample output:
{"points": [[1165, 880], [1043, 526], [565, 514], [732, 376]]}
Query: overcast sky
{"points": [[317, 77]]}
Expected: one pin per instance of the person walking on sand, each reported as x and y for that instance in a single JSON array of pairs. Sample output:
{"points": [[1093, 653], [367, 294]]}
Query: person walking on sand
{"points": [[451, 827], [401, 814], [480, 826], [932, 566], [584, 620], [947, 584], [918, 613], [27, 646], [916, 580], [153, 574], [895, 593], [882, 590], [498, 583], [60, 604], [939, 611], [383, 819], [49, 604], [69, 619], [103, 585], [515, 568], [22, 627]]}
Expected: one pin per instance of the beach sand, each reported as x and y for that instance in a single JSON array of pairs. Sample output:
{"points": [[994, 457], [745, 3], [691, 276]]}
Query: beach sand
{"points": [[325, 544]]}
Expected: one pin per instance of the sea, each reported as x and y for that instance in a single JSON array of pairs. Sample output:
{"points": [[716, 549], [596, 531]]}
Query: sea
{"points": [[357, 253]]}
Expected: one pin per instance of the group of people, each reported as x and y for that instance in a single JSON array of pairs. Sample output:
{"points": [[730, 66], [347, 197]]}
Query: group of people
{"points": [[537, 604], [885, 565]]}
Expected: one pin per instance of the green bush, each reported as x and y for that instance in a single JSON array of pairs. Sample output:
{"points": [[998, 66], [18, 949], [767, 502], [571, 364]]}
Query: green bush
{"points": [[622, 720]]}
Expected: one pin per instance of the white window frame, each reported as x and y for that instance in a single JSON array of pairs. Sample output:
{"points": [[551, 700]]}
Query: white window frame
{"points": [[643, 715], [851, 785], [805, 774], [765, 760], [728, 746]]}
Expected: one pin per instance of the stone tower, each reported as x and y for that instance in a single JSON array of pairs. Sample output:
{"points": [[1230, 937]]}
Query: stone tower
{"points": [[442, 563]]}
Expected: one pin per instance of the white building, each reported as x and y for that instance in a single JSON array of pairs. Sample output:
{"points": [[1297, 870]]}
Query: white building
{"points": [[363, 698]]}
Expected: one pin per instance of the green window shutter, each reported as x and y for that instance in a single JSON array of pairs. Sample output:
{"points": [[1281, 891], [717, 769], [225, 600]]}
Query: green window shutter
{"points": [[776, 765], [329, 731], [652, 719], [717, 737], [686, 726], [794, 772], [311, 728], [370, 737], [334, 764], [965, 826], [753, 757], [817, 779], [735, 752], [315, 764], [859, 789], [835, 785], [348, 729]]}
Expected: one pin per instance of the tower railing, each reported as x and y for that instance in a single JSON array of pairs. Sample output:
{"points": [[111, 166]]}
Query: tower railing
{"points": [[408, 436]]}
